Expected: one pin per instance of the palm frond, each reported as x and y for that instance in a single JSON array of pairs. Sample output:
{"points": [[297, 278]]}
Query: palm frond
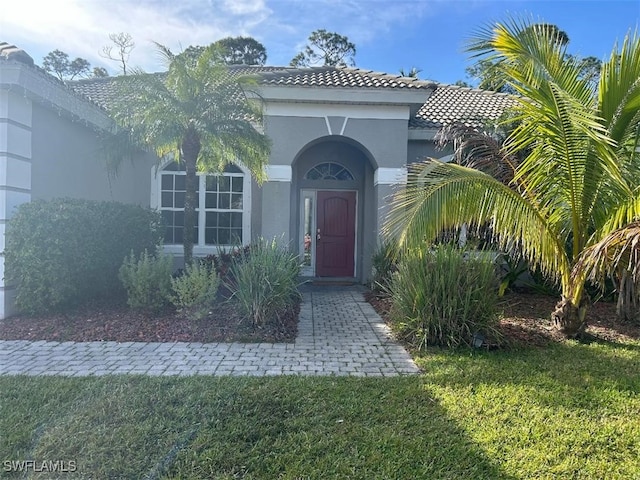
{"points": [[479, 150], [617, 252], [440, 196], [619, 215], [164, 53], [619, 88]]}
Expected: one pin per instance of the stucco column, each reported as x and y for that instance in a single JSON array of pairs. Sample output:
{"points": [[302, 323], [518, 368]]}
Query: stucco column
{"points": [[386, 182], [276, 203], [15, 174]]}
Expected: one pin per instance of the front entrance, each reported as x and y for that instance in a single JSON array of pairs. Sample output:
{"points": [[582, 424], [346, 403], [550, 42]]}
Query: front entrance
{"points": [[335, 234], [329, 228]]}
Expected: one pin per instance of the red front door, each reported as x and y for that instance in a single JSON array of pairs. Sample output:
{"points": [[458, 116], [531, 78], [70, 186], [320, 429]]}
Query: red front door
{"points": [[336, 234]]}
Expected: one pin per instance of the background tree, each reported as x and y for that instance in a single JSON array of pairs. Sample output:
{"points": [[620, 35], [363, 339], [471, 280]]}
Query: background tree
{"points": [[411, 73], [487, 73], [193, 52], [120, 51], [198, 114], [242, 51], [99, 72], [590, 69], [579, 181], [488, 76], [462, 83], [57, 63], [326, 48], [232, 51]]}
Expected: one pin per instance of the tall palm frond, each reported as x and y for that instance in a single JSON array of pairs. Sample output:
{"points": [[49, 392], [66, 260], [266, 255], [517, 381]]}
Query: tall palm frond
{"points": [[439, 196]]}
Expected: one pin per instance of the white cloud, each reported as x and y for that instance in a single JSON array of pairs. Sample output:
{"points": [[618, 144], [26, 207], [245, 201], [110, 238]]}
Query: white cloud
{"points": [[245, 7], [82, 27]]}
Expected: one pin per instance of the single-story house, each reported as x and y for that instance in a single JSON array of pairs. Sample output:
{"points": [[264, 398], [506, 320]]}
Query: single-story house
{"points": [[341, 139]]}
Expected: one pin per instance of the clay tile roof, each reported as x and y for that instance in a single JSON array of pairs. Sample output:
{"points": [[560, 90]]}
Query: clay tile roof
{"points": [[447, 104], [341, 77], [11, 52], [101, 91], [453, 104]]}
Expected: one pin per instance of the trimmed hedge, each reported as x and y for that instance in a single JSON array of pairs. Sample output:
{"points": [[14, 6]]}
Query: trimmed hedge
{"points": [[65, 251]]}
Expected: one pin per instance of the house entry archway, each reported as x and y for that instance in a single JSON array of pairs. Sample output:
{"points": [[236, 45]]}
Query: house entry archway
{"points": [[330, 190]]}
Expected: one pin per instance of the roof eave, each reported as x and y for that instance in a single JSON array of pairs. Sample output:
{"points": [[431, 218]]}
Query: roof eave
{"points": [[17, 77], [423, 133], [342, 95]]}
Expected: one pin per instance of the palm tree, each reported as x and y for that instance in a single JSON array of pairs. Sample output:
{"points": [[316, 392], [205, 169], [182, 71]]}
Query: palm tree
{"points": [[198, 114], [578, 181], [617, 256]]}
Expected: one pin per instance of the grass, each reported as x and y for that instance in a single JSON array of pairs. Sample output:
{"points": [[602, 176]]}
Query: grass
{"points": [[567, 411]]}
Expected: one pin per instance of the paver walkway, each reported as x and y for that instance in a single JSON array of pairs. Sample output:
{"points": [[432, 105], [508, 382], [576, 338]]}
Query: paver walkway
{"points": [[339, 333]]}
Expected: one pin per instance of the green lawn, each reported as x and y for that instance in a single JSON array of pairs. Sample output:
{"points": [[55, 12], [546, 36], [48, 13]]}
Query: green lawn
{"points": [[568, 411]]}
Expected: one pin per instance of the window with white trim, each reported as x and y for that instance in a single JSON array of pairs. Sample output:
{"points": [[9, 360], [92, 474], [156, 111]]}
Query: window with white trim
{"points": [[329, 171], [222, 208]]}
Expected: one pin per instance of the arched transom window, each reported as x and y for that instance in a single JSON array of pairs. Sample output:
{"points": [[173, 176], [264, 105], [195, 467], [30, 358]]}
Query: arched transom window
{"points": [[329, 171], [221, 213]]}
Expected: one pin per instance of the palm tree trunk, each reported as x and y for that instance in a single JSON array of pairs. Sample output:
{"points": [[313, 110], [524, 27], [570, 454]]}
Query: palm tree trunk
{"points": [[570, 319], [190, 149]]}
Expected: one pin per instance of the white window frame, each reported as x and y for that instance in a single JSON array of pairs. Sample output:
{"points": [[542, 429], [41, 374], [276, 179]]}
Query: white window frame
{"points": [[308, 270], [199, 247]]}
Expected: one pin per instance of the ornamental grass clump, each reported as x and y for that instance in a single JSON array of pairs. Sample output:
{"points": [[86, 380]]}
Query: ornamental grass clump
{"points": [[384, 262], [264, 284], [195, 290], [443, 296]]}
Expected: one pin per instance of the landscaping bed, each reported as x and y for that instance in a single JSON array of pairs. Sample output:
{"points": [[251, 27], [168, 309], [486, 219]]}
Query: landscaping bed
{"points": [[114, 321], [526, 320]]}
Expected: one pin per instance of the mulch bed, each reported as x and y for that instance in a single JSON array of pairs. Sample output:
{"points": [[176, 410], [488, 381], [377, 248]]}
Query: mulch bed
{"points": [[526, 320], [114, 321]]}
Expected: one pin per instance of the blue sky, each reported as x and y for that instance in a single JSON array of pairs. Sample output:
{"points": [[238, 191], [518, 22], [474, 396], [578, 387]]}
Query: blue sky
{"points": [[389, 34]]}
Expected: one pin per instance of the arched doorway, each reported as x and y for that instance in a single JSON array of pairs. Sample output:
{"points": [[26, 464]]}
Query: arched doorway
{"points": [[331, 181]]}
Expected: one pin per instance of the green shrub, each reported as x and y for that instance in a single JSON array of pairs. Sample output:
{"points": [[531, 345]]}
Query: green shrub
{"points": [[443, 296], [195, 290], [384, 262], [222, 261], [65, 251], [147, 280], [264, 283]]}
